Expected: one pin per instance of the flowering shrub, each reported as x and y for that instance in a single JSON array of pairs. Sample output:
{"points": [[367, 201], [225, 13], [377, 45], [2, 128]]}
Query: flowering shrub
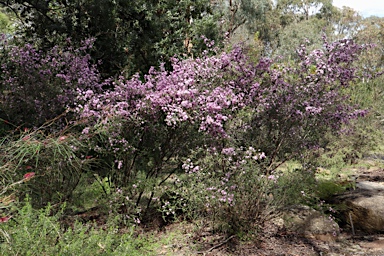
{"points": [[207, 134], [145, 128], [37, 86], [35, 159], [150, 124], [230, 188], [304, 101]]}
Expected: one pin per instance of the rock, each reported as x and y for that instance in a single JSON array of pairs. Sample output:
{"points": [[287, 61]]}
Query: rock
{"points": [[374, 245], [363, 208], [311, 223], [372, 186]]}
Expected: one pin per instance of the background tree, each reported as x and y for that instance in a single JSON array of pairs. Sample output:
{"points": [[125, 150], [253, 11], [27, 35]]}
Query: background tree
{"points": [[346, 23], [301, 21], [308, 31], [130, 35], [280, 25], [298, 10], [250, 21], [371, 30], [236, 13]]}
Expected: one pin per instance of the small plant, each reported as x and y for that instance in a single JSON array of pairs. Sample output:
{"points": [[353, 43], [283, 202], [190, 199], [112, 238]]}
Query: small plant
{"points": [[327, 189], [37, 232], [56, 160], [229, 188]]}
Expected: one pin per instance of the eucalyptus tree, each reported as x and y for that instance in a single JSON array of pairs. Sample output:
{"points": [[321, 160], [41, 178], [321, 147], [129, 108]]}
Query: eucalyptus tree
{"points": [[307, 31], [238, 13], [371, 31], [301, 21], [346, 23], [298, 10]]}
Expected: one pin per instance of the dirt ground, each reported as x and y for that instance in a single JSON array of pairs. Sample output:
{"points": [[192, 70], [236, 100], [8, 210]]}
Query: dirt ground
{"points": [[274, 241]]}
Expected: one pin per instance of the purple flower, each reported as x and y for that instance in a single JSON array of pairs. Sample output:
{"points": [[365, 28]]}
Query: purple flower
{"points": [[228, 151]]}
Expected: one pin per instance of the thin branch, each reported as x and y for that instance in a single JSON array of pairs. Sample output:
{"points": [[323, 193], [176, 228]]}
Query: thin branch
{"points": [[217, 246]]}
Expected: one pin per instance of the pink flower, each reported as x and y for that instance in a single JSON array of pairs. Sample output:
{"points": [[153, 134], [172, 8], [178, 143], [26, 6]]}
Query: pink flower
{"points": [[28, 175], [61, 138], [4, 219], [119, 165], [85, 131], [26, 138]]}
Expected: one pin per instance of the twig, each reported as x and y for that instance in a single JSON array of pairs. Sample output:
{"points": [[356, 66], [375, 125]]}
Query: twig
{"points": [[217, 246], [353, 228]]}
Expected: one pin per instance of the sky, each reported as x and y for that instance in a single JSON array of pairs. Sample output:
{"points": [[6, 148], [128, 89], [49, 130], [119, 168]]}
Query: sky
{"points": [[365, 7]]}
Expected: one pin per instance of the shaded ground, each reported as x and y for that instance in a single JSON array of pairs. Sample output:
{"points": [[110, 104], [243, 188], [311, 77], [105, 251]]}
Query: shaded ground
{"points": [[273, 241]]}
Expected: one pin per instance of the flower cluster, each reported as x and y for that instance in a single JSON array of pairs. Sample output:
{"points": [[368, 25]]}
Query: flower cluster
{"points": [[37, 86], [194, 92]]}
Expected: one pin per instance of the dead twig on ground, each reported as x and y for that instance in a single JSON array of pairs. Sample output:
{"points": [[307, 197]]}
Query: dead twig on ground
{"points": [[217, 246]]}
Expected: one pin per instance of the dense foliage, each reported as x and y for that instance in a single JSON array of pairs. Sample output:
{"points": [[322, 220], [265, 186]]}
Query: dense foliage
{"points": [[130, 35]]}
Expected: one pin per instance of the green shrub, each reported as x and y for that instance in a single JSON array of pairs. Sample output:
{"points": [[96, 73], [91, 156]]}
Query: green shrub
{"points": [[39, 232], [328, 188], [57, 161]]}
